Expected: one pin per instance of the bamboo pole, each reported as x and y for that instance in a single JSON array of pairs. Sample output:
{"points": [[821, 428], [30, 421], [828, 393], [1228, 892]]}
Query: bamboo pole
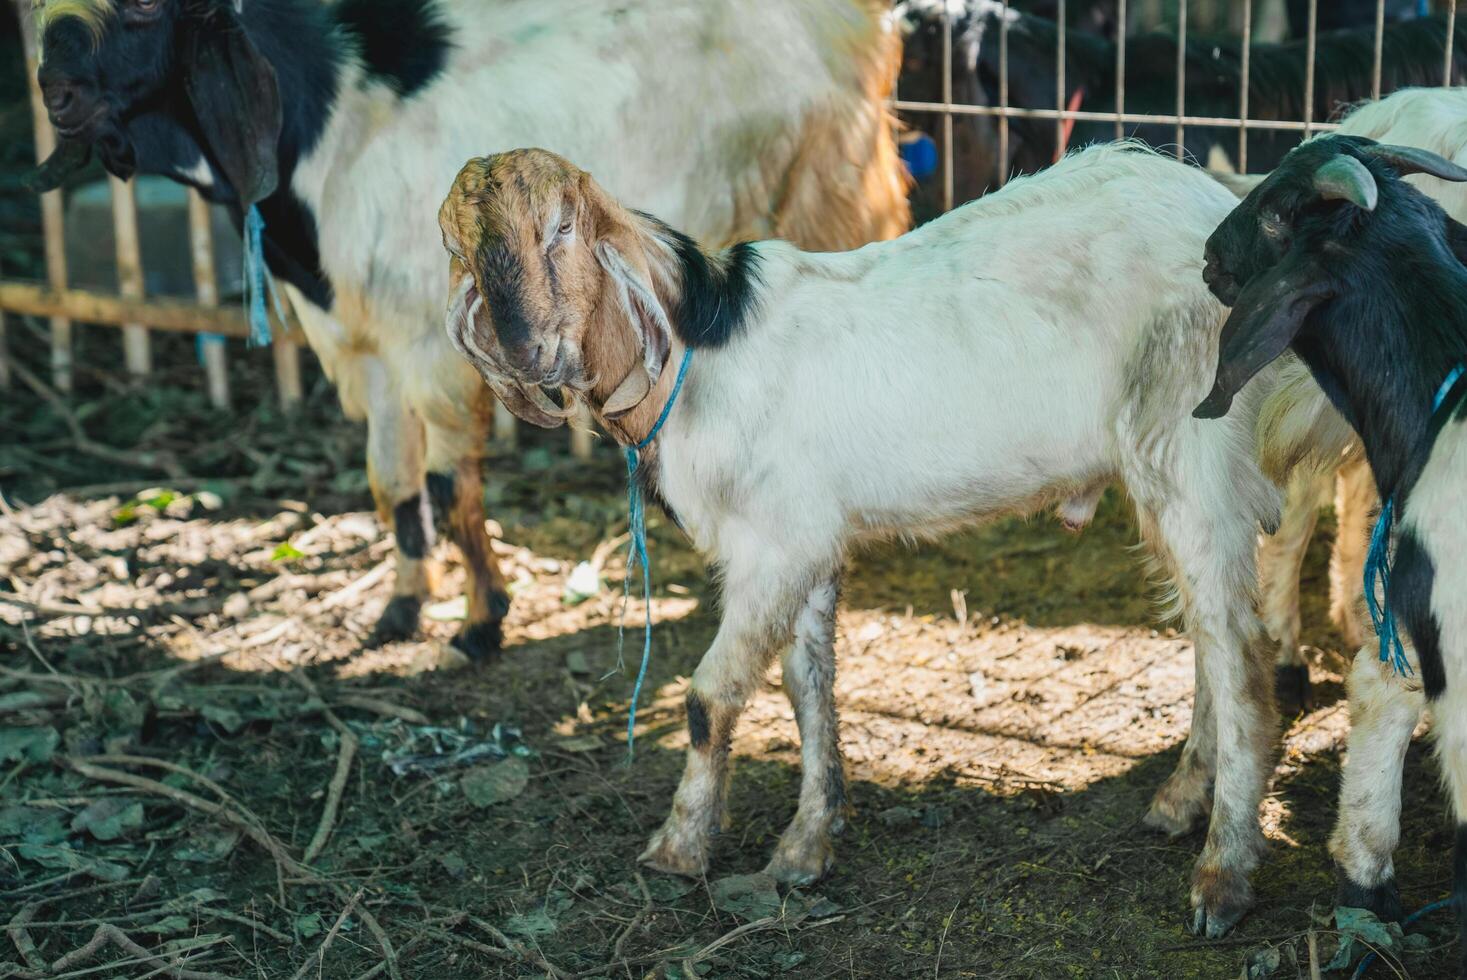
{"points": [[206, 289], [505, 428], [158, 313], [581, 433], [287, 354], [4, 353], [52, 207], [136, 347]]}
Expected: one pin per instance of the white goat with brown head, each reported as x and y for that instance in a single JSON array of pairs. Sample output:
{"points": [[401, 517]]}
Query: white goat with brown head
{"points": [[1023, 351]]}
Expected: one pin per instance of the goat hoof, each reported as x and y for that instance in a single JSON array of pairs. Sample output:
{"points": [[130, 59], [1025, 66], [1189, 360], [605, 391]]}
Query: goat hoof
{"points": [[498, 605], [1384, 899], [796, 866], [669, 852], [1173, 813], [1291, 689], [399, 621], [479, 641], [1220, 898]]}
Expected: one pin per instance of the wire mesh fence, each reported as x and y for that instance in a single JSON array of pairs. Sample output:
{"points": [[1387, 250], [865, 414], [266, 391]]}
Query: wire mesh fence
{"points": [[971, 22]]}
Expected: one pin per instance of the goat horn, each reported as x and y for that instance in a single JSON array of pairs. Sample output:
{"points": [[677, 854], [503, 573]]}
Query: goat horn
{"points": [[1345, 178], [1413, 160]]}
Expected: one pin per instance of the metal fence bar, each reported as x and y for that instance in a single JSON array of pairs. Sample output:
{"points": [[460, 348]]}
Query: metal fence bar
{"points": [[1121, 31], [1309, 46], [1243, 95], [1226, 122], [136, 348], [1451, 37], [1060, 95], [206, 289], [53, 220], [1181, 78], [1379, 44], [1003, 98], [947, 102]]}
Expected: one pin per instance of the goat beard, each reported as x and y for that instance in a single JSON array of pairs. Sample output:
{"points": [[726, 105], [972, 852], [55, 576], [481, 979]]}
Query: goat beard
{"points": [[71, 155], [528, 402]]}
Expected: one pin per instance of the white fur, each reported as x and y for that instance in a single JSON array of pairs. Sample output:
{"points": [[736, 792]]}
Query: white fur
{"points": [[1010, 355]]}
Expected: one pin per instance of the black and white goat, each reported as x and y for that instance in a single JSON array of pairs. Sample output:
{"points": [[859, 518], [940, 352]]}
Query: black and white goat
{"points": [[1363, 277], [1413, 53], [1432, 119], [345, 122], [985, 364]]}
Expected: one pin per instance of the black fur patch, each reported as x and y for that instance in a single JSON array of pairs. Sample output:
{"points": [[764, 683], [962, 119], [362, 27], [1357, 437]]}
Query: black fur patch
{"points": [[399, 621], [404, 43], [834, 785], [479, 641], [441, 490], [1412, 578], [1291, 688], [718, 291], [413, 524], [1384, 899], [698, 728]]}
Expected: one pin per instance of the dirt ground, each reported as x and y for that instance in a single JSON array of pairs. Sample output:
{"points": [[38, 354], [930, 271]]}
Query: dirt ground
{"points": [[184, 701]]}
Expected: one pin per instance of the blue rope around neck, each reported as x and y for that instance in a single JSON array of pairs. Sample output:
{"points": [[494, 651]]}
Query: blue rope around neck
{"points": [[637, 550], [1378, 564], [257, 280]]}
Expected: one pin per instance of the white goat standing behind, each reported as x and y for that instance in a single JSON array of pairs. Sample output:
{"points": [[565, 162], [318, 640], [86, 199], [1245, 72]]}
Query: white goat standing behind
{"points": [[1020, 352]]}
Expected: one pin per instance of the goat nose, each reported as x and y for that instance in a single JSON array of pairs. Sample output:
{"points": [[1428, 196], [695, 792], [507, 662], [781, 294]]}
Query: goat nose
{"points": [[63, 101]]}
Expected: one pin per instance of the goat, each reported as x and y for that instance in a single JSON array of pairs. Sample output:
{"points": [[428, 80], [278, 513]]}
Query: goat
{"points": [[982, 365], [343, 123], [1432, 119], [1362, 276], [1413, 54]]}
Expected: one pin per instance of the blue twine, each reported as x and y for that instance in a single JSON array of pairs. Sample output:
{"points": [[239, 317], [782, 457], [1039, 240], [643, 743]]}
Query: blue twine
{"points": [[637, 550], [257, 280], [1370, 957], [1378, 564]]}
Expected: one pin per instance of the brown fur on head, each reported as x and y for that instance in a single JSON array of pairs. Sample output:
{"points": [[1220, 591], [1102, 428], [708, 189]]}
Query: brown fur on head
{"points": [[551, 286]]}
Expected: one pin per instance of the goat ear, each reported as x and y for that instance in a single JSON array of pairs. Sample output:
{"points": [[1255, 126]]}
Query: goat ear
{"points": [[236, 99], [644, 313], [1265, 319], [1411, 160], [1345, 178]]}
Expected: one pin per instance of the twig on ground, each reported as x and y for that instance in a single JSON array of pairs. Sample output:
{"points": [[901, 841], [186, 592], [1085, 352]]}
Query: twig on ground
{"points": [[337, 786], [319, 956], [24, 945], [389, 955], [377, 706], [254, 830], [248, 923], [532, 956], [111, 935], [758, 925], [637, 919], [163, 462], [65, 608]]}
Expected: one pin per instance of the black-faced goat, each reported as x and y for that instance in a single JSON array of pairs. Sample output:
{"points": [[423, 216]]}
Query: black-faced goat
{"points": [[1362, 276]]}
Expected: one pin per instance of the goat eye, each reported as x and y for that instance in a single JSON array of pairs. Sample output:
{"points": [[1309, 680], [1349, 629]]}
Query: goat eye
{"points": [[566, 224], [146, 6]]}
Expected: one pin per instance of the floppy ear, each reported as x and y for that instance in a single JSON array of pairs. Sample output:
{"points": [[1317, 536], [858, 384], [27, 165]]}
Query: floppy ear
{"points": [[237, 101], [1411, 160], [1265, 318], [643, 311]]}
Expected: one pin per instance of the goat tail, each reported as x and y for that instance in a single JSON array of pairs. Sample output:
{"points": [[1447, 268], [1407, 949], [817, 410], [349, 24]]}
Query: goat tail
{"points": [[1298, 427]]}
